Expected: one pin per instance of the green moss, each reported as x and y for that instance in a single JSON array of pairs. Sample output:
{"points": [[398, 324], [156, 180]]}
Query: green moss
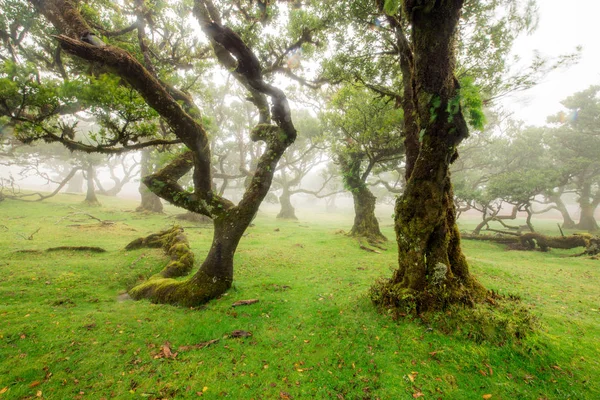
{"points": [[188, 293]]}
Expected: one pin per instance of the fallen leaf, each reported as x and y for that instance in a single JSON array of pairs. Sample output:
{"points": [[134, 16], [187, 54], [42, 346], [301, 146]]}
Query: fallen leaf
{"points": [[417, 395], [39, 393], [4, 390], [34, 384], [557, 367], [487, 396], [165, 351], [284, 395], [244, 302]]}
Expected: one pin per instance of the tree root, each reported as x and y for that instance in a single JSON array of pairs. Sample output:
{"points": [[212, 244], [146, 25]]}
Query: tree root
{"points": [[162, 288], [189, 293], [177, 247]]}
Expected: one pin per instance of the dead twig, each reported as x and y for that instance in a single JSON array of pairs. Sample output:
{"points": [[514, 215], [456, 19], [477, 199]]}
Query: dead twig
{"points": [[365, 248], [79, 212], [244, 302], [30, 237]]}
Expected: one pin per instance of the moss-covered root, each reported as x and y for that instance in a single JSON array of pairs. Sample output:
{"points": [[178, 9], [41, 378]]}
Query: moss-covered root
{"points": [[175, 244], [388, 294], [189, 293]]}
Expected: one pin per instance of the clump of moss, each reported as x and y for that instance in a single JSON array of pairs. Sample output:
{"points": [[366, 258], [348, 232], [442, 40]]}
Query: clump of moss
{"points": [[499, 320], [175, 244]]}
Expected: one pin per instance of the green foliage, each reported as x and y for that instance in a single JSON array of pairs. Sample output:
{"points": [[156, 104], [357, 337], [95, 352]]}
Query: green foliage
{"points": [[391, 7], [472, 103]]}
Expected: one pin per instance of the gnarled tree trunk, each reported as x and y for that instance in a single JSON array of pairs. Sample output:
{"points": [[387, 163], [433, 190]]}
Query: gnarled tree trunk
{"points": [[365, 222], [568, 222], [287, 210], [177, 108], [215, 274], [587, 221], [432, 270], [90, 197]]}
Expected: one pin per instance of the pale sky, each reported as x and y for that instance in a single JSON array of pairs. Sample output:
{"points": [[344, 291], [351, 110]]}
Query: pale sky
{"points": [[563, 25]]}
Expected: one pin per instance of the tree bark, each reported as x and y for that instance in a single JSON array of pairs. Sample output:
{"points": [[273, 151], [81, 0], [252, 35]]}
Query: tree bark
{"points": [[150, 202], [432, 270], [365, 222], [90, 197], [214, 276], [586, 218], [287, 209], [568, 222]]}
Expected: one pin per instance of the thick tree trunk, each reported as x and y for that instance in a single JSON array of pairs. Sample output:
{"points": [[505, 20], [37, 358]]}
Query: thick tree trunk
{"points": [[365, 222], [287, 209], [587, 221], [586, 218], [432, 270], [150, 201], [90, 197], [568, 222]]}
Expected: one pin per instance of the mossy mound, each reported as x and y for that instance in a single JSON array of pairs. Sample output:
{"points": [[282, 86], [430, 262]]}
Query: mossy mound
{"points": [[175, 244]]}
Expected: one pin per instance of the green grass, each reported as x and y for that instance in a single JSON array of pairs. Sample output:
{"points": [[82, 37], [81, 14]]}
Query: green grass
{"points": [[64, 333]]}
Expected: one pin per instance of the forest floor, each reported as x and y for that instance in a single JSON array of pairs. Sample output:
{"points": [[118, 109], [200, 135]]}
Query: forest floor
{"points": [[68, 332]]}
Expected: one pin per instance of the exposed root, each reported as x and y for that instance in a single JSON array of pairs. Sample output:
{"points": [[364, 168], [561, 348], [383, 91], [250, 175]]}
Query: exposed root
{"points": [[175, 244], [189, 293]]}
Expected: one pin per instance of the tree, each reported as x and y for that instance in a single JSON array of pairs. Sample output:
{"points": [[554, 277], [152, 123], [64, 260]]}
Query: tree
{"points": [[157, 92], [432, 270], [575, 143], [298, 161], [365, 134]]}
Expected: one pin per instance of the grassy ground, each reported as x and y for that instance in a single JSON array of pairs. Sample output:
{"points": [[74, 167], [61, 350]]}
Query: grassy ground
{"points": [[65, 332]]}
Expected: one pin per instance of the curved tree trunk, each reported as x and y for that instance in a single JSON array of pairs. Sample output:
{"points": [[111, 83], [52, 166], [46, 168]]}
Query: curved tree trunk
{"points": [[150, 201], [432, 270], [568, 222], [287, 209], [90, 197], [275, 129], [365, 221]]}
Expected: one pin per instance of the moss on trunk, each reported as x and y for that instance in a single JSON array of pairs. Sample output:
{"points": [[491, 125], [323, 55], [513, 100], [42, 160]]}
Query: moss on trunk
{"points": [[432, 270], [365, 222], [215, 275]]}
